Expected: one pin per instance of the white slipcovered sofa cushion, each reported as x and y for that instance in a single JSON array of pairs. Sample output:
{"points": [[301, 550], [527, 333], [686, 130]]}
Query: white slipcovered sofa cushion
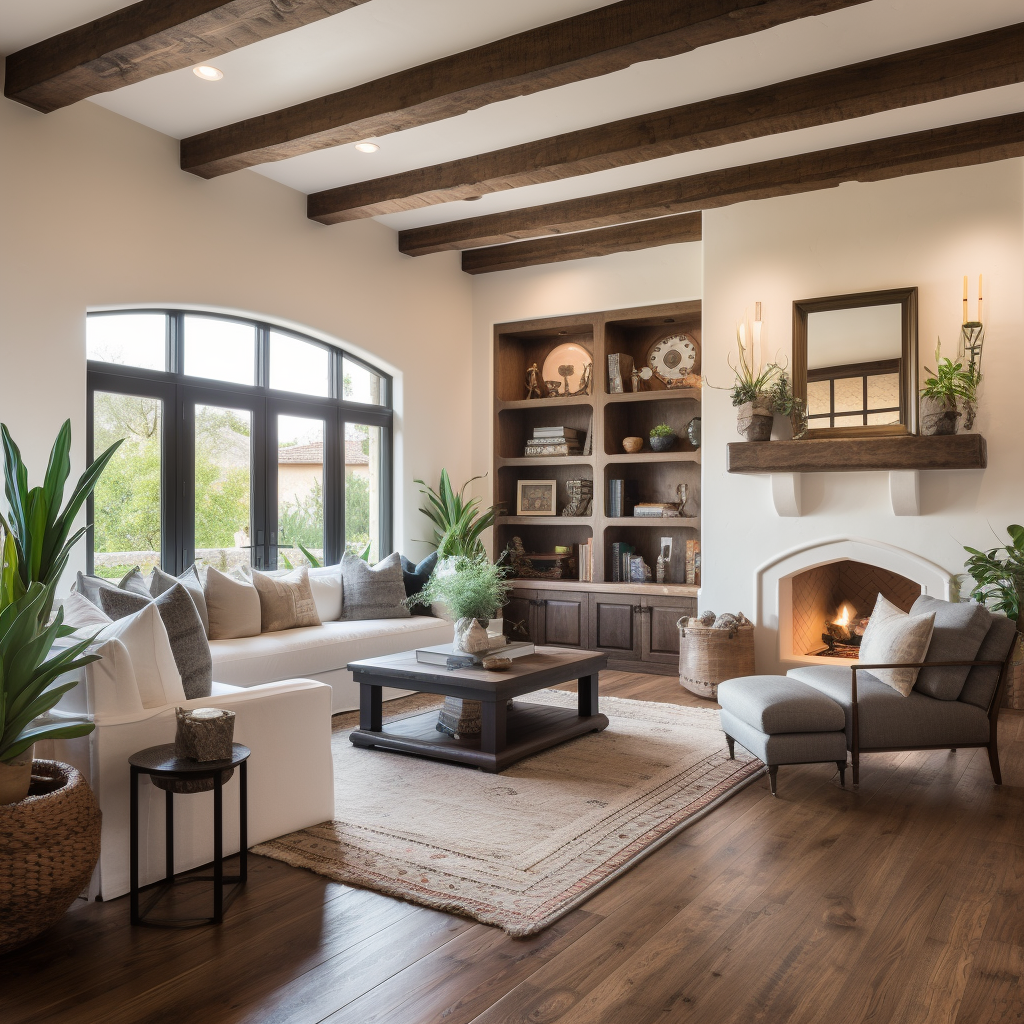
{"points": [[323, 652]]}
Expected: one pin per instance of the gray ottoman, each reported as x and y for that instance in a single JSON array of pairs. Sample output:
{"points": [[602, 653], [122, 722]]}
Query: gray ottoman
{"points": [[782, 721]]}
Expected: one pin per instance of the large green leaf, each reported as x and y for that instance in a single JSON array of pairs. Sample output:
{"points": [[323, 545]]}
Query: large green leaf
{"points": [[45, 732]]}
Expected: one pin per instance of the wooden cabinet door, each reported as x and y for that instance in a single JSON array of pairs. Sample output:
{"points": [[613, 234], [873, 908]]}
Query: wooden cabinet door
{"points": [[615, 625], [659, 633], [519, 617], [565, 618]]}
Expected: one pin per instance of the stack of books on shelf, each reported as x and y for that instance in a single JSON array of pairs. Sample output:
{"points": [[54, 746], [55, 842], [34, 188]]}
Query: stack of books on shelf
{"points": [[656, 510], [621, 498], [553, 441], [693, 562], [621, 553], [585, 560]]}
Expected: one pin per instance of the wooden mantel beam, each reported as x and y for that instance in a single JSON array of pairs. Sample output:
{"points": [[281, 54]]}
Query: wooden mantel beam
{"points": [[952, 68], [148, 39], [960, 145], [594, 43], [646, 234]]}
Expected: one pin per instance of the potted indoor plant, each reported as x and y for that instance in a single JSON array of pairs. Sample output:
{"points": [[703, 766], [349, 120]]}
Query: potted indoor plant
{"points": [[472, 590], [998, 575], [752, 394], [947, 386], [458, 523], [662, 438], [49, 837]]}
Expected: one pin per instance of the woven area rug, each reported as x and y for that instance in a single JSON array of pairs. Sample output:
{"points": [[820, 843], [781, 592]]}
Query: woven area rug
{"points": [[522, 848]]}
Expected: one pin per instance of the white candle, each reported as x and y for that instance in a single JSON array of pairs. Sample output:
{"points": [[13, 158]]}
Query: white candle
{"points": [[207, 713]]}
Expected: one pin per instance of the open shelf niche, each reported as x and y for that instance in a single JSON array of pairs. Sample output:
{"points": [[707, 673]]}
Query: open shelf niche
{"points": [[611, 417]]}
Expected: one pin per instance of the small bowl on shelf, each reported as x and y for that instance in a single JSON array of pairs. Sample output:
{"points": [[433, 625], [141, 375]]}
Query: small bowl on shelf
{"points": [[632, 445], [663, 442]]}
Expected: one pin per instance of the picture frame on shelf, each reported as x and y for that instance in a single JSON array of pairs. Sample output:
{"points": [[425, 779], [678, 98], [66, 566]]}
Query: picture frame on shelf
{"points": [[536, 498]]}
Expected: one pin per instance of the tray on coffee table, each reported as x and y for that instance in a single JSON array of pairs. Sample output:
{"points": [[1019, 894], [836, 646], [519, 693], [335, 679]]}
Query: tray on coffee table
{"points": [[505, 736]]}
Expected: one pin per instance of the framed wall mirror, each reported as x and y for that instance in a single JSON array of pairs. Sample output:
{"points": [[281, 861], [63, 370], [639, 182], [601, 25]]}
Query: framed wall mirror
{"points": [[855, 363]]}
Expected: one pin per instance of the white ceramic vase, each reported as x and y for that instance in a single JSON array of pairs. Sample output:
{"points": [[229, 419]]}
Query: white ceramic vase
{"points": [[471, 635]]}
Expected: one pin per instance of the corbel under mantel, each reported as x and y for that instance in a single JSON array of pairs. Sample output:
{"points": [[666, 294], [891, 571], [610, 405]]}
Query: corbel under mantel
{"points": [[902, 456]]}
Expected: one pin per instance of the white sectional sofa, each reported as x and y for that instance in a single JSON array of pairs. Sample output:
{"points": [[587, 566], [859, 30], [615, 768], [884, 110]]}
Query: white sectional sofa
{"points": [[323, 652]]}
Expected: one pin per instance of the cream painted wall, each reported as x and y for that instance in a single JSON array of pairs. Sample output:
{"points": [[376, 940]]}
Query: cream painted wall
{"points": [[927, 230], [94, 212]]}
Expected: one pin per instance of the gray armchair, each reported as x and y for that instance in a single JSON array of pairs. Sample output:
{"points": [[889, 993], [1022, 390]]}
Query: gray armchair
{"points": [[955, 702]]}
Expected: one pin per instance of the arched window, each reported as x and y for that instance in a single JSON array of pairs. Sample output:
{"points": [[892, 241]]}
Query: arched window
{"points": [[243, 442]]}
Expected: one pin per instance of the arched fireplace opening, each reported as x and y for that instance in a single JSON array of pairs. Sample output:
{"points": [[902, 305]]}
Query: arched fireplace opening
{"points": [[831, 604]]}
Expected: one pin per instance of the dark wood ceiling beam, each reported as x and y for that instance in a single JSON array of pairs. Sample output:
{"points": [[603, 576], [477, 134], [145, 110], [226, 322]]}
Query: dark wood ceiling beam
{"points": [[647, 234], [953, 68], [976, 142], [595, 43], [148, 39]]}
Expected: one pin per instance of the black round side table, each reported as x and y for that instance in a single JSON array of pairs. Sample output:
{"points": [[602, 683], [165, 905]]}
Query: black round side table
{"points": [[161, 762]]}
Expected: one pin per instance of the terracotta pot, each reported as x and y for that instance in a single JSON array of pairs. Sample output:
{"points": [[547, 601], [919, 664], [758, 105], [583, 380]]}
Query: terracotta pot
{"points": [[754, 420], [632, 444], [15, 777], [49, 845], [938, 416]]}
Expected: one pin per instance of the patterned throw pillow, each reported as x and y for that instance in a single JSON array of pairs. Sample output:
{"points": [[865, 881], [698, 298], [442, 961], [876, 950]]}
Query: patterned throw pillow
{"points": [[185, 633], [893, 637], [286, 602], [373, 591], [161, 581]]}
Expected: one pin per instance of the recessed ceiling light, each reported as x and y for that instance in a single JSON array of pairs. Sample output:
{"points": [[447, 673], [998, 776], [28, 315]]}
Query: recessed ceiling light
{"points": [[367, 147], [208, 73]]}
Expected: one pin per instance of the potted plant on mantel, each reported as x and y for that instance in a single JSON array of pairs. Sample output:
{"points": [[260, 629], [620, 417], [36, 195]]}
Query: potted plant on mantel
{"points": [[49, 837], [948, 387]]}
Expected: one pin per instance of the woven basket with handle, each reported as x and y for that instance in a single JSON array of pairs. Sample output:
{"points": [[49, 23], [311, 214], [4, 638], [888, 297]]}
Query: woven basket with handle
{"points": [[49, 845], [709, 656]]}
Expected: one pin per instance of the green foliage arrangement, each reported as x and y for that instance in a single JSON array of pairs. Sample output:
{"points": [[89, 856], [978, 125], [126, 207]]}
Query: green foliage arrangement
{"points": [[34, 551], [469, 587], [662, 430], [998, 574], [38, 526], [950, 381], [458, 523]]}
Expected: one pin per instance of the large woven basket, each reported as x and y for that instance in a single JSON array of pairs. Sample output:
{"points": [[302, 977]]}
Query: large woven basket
{"points": [[49, 845], [709, 656]]}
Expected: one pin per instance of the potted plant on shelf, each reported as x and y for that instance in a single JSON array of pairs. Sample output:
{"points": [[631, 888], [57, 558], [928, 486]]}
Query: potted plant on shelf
{"points": [[947, 385], [49, 836], [472, 590], [662, 438]]}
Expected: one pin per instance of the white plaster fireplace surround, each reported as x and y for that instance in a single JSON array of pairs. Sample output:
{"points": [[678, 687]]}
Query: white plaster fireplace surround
{"points": [[773, 588]]}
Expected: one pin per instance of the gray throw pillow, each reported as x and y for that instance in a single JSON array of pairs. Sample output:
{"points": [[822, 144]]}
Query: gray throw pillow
{"points": [[959, 632], [162, 581], [982, 680], [373, 591], [189, 646], [134, 583], [90, 586]]}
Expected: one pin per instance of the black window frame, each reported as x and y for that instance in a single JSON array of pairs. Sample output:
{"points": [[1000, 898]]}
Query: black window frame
{"points": [[180, 393]]}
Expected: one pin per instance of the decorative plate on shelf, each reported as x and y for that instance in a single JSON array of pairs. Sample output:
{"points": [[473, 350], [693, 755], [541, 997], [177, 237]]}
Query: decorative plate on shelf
{"points": [[568, 355], [674, 356]]}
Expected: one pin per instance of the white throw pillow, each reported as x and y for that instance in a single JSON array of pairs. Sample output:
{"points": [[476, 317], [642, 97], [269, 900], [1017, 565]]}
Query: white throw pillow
{"points": [[145, 637], [232, 604], [80, 612], [894, 636], [113, 688], [327, 592]]}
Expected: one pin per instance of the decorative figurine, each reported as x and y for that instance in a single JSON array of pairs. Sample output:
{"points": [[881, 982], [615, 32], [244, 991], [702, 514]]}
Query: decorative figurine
{"points": [[565, 371], [585, 378], [682, 492], [553, 387], [533, 382]]}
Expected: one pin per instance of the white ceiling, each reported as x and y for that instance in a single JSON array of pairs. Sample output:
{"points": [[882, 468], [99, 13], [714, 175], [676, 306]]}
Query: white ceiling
{"points": [[383, 36]]}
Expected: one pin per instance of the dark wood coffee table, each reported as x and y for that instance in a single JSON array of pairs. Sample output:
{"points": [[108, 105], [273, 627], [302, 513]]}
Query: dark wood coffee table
{"points": [[506, 736]]}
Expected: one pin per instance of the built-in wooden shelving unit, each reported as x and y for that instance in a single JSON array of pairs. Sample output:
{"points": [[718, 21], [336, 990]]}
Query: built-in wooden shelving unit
{"points": [[630, 621]]}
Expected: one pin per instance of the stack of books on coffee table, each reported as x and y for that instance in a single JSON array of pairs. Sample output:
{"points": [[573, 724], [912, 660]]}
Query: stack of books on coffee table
{"points": [[553, 441]]}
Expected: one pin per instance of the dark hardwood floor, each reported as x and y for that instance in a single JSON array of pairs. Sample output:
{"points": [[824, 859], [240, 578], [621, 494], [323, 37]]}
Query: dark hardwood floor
{"points": [[903, 902]]}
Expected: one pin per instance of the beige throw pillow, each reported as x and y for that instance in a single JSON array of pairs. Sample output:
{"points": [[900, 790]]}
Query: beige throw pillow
{"points": [[232, 605], [894, 636], [285, 601]]}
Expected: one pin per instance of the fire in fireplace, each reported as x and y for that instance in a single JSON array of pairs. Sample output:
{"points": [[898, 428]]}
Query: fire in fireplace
{"points": [[832, 603]]}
